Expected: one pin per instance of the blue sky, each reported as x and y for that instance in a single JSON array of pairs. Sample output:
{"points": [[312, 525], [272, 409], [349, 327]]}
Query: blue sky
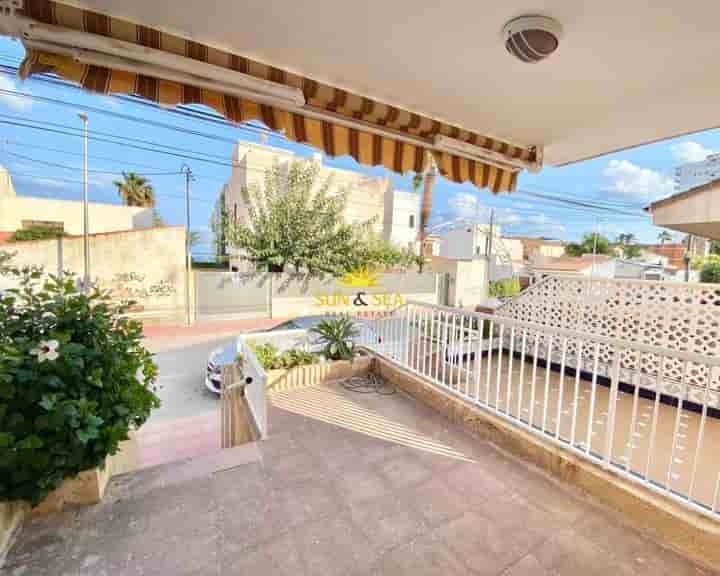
{"points": [[626, 180]]}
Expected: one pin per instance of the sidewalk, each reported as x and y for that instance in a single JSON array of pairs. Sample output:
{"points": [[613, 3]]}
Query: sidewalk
{"points": [[167, 336]]}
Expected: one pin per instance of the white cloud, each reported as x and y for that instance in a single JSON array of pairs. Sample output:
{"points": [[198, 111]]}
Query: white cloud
{"points": [[689, 151], [631, 180], [545, 225], [463, 205], [15, 102]]}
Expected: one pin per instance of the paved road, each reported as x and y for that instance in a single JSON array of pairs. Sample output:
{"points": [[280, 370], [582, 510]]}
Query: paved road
{"points": [[181, 386]]}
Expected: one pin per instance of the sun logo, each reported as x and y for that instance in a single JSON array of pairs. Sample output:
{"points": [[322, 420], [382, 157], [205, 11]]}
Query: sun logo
{"points": [[359, 278]]}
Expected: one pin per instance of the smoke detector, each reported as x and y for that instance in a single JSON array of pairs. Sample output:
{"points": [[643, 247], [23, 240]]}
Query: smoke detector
{"points": [[532, 38]]}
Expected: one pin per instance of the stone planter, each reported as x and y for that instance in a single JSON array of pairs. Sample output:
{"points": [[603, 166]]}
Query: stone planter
{"points": [[314, 374], [88, 487]]}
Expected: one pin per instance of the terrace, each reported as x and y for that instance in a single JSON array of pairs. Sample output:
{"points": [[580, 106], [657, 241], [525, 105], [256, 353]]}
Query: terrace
{"points": [[351, 483]]}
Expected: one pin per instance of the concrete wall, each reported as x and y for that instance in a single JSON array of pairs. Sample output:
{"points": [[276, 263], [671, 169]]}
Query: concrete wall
{"points": [[468, 280], [147, 265], [102, 217]]}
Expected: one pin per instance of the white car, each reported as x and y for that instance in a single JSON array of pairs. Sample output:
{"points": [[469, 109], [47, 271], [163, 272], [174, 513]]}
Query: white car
{"points": [[226, 355]]}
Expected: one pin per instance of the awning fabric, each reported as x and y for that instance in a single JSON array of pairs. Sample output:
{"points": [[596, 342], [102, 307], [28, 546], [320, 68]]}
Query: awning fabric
{"points": [[334, 139]]}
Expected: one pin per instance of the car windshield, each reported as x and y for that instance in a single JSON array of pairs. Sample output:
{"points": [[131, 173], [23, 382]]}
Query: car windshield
{"points": [[289, 325]]}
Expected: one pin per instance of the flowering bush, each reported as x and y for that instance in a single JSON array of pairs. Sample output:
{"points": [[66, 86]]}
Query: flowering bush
{"points": [[74, 379]]}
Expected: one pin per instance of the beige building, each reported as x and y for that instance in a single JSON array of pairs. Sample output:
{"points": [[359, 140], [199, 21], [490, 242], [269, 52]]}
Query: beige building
{"points": [[18, 212], [394, 213], [534, 248]]}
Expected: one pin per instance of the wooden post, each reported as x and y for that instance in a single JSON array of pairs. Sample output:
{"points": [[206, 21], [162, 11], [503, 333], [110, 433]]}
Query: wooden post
{"points": [[236, 426]]}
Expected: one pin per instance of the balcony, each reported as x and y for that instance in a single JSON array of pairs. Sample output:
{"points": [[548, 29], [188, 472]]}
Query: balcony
{"points": [[352, 483]]}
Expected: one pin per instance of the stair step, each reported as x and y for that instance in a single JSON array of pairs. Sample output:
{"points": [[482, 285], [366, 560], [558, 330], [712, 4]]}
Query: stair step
{"points": [[140, 482]]}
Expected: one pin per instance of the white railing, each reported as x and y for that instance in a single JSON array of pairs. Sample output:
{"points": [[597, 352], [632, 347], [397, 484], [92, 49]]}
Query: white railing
{"points": [[255, 391], [548, 381]]}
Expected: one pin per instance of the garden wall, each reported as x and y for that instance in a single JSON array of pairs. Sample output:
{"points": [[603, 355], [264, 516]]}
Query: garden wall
{"points": [[146, 265]]}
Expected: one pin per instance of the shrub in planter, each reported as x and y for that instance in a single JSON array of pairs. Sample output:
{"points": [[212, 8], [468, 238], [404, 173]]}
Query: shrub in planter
{"points": [[337, 337], [74, 380], [269, 358]]}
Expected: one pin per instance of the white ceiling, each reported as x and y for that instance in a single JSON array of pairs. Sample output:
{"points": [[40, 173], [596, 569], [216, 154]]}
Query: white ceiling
{"points": [[627, 71]]}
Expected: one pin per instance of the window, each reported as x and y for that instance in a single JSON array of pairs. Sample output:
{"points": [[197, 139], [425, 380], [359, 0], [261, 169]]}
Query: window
{"points": [[412, 221]]}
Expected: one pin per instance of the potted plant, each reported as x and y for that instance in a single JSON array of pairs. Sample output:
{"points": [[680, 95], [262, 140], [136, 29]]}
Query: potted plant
{"points": [[75, 380]]}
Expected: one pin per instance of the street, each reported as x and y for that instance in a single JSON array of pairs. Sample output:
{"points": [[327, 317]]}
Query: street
{"points": [[181, 384]]}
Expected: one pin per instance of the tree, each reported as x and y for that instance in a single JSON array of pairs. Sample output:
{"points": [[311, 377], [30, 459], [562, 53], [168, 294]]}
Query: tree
{"points": [[629, 249], [714, 246], [588, 245], [664, 236], [626, 238], [710, 270], [135, 190], [293, 222]]}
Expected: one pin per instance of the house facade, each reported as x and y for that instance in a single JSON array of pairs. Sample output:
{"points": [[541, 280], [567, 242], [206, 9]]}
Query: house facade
{"points": [[66, 216]]}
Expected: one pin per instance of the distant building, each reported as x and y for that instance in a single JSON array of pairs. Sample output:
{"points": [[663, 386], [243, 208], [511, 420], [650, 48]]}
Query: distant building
{"points": [[22, 212], [600, 266], [695, 174], [401, 217], [468, 241], [539, 247], [395, 213]]}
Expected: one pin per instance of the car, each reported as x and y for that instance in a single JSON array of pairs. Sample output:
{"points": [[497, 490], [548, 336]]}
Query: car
{"points": [[226, 354]]}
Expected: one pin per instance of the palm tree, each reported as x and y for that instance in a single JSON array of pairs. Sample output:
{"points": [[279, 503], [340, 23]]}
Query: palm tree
{"points": [[627, 238], [135, 190], [664, 236]]}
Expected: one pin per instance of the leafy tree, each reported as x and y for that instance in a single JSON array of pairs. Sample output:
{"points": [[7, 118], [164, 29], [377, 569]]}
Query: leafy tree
{"points": [[631, 251], [709, 267], [293, 222], [626, 238], [195, 238], [135, 190], [627, 246], [588, 245], [664, 236]]}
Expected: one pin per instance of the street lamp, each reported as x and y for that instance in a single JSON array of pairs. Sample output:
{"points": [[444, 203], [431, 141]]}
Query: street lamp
{"points": [[86, 243]]}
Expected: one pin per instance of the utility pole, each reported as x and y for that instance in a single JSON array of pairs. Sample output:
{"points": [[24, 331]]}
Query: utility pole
{"points": [[490, 234], [188, 256], [86, 224]]}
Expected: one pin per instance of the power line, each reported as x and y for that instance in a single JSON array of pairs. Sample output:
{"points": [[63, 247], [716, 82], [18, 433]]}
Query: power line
{"points": [[77, 168]]}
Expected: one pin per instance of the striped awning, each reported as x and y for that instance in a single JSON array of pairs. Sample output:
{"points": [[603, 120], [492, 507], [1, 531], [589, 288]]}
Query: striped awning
{"points": [[371, 132]]}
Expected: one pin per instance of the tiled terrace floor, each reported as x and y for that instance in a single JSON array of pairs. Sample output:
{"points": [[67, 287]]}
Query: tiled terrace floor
{"points": [[348, 483]]}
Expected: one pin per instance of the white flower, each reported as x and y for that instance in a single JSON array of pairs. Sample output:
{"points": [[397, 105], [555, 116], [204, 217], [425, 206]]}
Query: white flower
{"points": [[46, 350]]}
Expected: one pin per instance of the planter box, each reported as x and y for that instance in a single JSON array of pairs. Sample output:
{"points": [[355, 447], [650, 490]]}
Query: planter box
{"points": [[313, 374], [89, 486]]}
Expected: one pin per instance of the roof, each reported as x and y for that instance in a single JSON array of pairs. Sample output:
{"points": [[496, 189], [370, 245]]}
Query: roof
{"points": [[683, 195], [567, 263]]}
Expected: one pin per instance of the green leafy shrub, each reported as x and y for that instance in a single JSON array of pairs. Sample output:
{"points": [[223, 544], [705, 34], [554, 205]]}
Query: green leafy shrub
{"points": [[336, 335], [267, 355], [37, 233], [505, 288], [74, 379], [710, 271]]}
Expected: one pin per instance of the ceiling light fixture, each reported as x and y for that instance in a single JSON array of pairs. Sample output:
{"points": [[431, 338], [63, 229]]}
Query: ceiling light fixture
{"points": [[532, 38]]}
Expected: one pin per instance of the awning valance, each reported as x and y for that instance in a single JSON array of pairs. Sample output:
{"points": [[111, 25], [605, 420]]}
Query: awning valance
{"points": [[109, 55]]}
